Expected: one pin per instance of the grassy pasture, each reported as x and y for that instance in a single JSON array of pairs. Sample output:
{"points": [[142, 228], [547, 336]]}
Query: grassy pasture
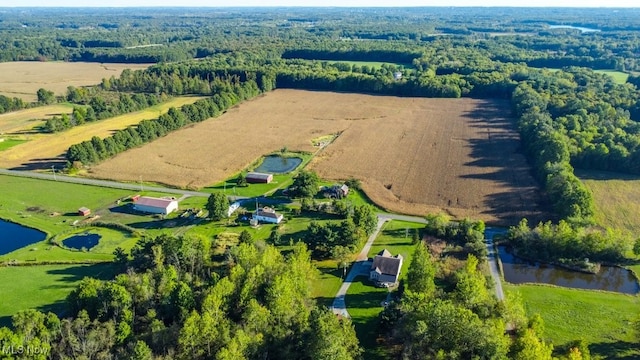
{"points": [[373, 64], [46, 149], [23, 78], [43, 287], [17, 121], [619, 77], [6, 143], [603, 319], [616, 197]]}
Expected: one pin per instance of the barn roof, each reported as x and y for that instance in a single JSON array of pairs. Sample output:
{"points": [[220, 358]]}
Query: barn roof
{"points": [[257, 175], [154, 202], [267, 213], [384, 263]]}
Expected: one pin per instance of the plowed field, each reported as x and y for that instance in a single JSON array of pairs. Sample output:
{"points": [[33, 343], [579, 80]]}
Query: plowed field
{"points": [[413, 155]]}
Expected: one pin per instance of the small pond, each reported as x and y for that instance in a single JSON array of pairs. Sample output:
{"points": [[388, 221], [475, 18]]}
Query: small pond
{"points": [[518, 271], [277, 164], [14, 236], [80, 241], [582, 29]]}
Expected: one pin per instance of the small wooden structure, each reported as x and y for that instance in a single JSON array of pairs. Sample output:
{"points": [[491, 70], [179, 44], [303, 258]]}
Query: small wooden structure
{"points": [[84, 211], [256, 177]]}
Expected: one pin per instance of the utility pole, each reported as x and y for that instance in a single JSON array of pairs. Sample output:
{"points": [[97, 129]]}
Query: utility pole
{"points": [[141, 189], [53, 168]]}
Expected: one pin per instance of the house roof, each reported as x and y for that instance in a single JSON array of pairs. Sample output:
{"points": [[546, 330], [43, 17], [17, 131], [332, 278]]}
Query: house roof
{"points": [[84, 209], [154, 202], [384, 263], [257, 175], [269, 214]]}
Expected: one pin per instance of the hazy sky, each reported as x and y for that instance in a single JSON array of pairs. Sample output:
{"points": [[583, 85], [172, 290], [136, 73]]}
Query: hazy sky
{"points": [[356, 3]]}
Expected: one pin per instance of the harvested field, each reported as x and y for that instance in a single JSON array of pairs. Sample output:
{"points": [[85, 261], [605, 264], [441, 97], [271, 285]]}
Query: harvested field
{"points": [[22, 79], [44, 150], [413, 155], [26, 119]]}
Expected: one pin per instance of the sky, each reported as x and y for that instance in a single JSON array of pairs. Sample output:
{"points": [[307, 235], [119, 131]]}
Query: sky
{"points": [[331, 3]]}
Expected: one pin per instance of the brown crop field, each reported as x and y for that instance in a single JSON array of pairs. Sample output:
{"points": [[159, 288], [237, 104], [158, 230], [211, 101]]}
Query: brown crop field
{"points": [[15, 121], [22, 79], [413, 155], [43, 150]]}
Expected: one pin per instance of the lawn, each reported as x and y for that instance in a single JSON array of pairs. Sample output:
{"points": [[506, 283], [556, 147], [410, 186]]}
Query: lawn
{"points": [[328, 283], [51, 206], [373, 64], [396, 236], [603, 319], [43, 287], [364, 303]]}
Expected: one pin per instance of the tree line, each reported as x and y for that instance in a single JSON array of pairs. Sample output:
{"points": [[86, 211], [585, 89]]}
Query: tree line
{"points": [[97, 149]]}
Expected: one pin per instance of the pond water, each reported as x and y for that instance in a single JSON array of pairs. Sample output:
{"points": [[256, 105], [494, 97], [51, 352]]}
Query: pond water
{"points": [[80, 241], [278, 165], [582, 29], [518, 271], [14, 236]]}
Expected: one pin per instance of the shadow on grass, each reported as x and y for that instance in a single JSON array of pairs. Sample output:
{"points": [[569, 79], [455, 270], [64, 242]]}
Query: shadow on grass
{"points": [[615, 350], [78, 272]]}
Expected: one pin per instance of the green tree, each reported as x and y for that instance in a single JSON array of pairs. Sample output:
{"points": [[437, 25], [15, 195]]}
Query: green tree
{"points": [[217, 205], [331, 338], [305, 184], [422, 271], [45, 96], [245, 237], [342, 255], [364, 216]]}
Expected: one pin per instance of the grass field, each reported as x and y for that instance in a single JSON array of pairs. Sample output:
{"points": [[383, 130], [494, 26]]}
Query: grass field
{"points": [[603, 319], [616, 197], [23, 78], [6, 143], [618, 76], [26, 119], [45, 150], [43, 287], [364, 303]]}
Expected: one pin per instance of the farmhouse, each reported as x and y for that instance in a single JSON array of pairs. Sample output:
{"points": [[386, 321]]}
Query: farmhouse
{"points": [[256, 177], [155, 205], [267, 215], [83, 211], [385, 268], [337, 191]]}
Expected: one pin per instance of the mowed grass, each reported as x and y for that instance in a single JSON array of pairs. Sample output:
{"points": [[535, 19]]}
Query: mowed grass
{"points": [[603, 319], [373, 64], [28, 118], [364, 304], [619, 77], [51, 206], [43, 287], [616, 197], [45, 252], [54, 146]]}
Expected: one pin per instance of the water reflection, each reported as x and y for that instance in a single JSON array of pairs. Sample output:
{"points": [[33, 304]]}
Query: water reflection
{"points": [[517, 271]]}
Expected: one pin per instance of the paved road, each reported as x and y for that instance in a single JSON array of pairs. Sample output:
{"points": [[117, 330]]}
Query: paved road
{"points": [[492, 259], [103, 183], [360, 267], [415, 219]]}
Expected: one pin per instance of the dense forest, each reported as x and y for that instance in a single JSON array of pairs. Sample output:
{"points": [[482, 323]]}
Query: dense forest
{"points": [[172, 301]]}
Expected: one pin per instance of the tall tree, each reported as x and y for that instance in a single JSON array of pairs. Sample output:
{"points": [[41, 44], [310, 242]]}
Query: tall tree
{"points": [[422, 271], [217, 205]]}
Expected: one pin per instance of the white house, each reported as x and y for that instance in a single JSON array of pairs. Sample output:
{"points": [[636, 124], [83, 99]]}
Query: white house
{"points": [[267, 215], [386, 268], [155, 205]]}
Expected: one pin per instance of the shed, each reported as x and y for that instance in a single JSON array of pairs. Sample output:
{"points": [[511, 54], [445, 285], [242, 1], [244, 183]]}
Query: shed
{"points": [[155, 205], [135, 198], [84, 211], [256, 177]]}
